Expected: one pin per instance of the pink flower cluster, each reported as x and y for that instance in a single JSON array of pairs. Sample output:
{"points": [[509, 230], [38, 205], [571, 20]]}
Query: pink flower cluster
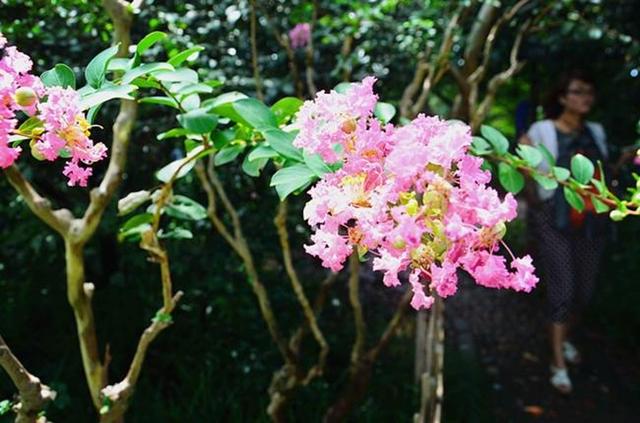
{"points": [[300, 35], [60, 129], [413, 196]]}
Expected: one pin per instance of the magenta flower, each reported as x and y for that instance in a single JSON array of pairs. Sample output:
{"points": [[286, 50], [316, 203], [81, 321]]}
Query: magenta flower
{"points": [[300, 35], [413, 196]]}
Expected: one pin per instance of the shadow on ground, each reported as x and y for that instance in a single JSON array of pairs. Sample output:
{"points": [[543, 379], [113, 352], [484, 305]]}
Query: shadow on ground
{"points": [[497, 364]]}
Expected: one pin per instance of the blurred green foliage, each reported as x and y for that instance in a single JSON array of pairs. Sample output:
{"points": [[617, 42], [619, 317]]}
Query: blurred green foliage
{"points": [[216, 361]]}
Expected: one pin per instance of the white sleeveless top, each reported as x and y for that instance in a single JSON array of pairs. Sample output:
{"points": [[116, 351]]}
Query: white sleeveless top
{"points": [[544, 132]]}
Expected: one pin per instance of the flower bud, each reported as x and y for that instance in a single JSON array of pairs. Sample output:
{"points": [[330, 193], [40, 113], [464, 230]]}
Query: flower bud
{"points": [[499, 230], [399, 243], [35, 152], [25, 97], [412, 207], [348, 126], [617, 215]]}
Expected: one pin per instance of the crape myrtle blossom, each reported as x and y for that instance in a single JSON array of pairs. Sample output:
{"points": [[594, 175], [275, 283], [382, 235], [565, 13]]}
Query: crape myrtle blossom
{"points": [[412, 196], [61, 130], [300, 35]]}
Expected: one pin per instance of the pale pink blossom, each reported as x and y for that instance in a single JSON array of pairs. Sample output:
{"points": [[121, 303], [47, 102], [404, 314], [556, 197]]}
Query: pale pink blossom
{"points": [[419, 300], [65, 128], [77, 175], [413, 196], [300, 35]]}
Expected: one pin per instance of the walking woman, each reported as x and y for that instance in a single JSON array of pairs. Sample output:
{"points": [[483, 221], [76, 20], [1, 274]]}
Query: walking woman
{"points": [[569, 244]]}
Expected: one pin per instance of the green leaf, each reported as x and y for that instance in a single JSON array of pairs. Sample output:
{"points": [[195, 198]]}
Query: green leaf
{"points": [[529, 154], [253, 167], [191, 102], [163, 317], [486, 165], [282, 142], [169, 170], [316, 164], [149, 40], [172, 133], [146, 69], [119, 64], [574, 199], [544, 182], [290, 179], [30, 124], [601, 187], [547, 155], [60, 75], [97, 67], [228, 154], [195, 88], [510, 178], [93, 112], [135, 226], [582, 168], [285, 108], [499, 142], [198, 121], [222, 138], [384, 111], [255, 113], [163, 101], [5, 407], [480, 147], [178, 75], [106, 93], [226, 98], [185, 55], [262, 151], [560, 173], [176, 233], [343, 87], [598, 205], [132, 201], [214, 83], [185, 208]]}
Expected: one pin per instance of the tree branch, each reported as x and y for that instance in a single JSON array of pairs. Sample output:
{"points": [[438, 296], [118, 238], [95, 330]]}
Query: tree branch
{"points": [[58, 220], [122, 19], [239, 243], [281, 226], [478, 34], [33, 394], [291, 57], [311, 85], [392, 326], [354, 298], [254, 51], [119, 394], [479, 73], [427, 74], [498, 80]]}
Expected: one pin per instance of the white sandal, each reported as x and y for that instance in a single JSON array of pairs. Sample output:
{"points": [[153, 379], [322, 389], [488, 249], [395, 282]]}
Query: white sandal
{"points": [[570, 353], [560, 380]]}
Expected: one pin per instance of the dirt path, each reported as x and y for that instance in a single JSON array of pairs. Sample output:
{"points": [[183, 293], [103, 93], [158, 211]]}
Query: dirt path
{"points": [[502, 335]]}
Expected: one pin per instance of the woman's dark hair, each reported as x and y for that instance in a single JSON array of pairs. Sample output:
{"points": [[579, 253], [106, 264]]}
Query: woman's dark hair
{"points": [[552, 106]]}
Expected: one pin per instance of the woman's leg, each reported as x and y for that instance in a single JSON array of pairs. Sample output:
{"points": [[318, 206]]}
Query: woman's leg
{"points": [[587, 257], [557, 336], [554, 256]]}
